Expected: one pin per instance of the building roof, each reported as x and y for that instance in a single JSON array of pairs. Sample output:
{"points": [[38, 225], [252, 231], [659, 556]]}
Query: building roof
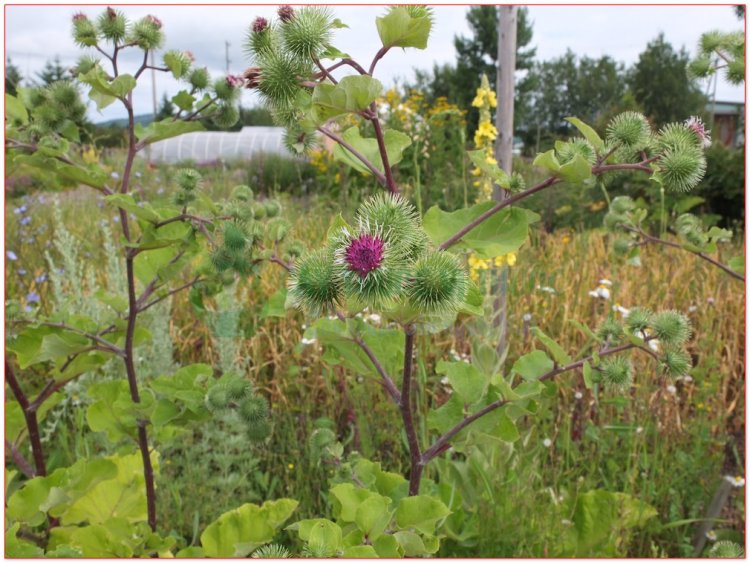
{"points": [[726, 108]]}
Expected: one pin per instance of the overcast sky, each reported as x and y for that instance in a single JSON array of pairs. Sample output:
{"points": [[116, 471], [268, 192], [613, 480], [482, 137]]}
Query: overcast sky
{"points": [[35, 34]]}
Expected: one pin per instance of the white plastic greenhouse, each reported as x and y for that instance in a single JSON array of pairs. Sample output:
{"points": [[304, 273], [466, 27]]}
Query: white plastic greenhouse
{"points": [[209, 146]]}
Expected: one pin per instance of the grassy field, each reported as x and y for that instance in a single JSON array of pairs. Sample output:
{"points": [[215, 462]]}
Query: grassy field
{"points": [[667, 443]]}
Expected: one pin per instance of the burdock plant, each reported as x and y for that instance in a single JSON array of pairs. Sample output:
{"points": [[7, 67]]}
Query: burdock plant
{"points": [[409, 270], [221, 240]]}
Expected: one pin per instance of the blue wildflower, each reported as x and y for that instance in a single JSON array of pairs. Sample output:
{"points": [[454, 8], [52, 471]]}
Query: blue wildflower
{"points": [[41, 278], [11, 255], [115, 175], [26, 220], [32, 297], [22, 272]]}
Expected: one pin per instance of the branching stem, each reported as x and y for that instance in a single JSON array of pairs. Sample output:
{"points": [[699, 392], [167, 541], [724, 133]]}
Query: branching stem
{"points": [[656, 240]]}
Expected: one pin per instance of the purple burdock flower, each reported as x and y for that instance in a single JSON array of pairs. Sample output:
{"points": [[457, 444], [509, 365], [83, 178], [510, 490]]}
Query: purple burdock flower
{"points": [[699, 128], [365, 254], [235, 81], [286, 13], [12, 256], [154, 20], [252, 75], [32, 297], [259, 24], [80, 16]]}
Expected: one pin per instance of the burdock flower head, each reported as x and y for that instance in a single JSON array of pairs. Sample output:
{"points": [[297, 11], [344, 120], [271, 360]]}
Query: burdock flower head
{"points": [[364, 254], [369, 270], [235, 81], [286, 13], [252, 77], [154, 20], [699, 128], [259, 24]]}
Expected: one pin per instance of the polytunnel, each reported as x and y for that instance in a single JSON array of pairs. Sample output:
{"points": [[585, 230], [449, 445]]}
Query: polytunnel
{"points": [[209, 146]]}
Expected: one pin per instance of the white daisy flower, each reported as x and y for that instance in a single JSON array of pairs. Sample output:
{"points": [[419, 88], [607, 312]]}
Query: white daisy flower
{"points": [[735, 481]]}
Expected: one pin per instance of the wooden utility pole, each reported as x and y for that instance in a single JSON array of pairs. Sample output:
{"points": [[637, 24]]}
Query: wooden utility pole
{"points": [[507, 21], [506, 67]]}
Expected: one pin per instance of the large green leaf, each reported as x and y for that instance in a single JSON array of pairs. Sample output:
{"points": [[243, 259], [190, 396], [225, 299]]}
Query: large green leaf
{"points": [[351, 95], [576, 171], [421, 513], [103, 91], [128, 203], [559, 355], [533, 365], [386, 345], [183, 100], [239, 532], [114, 412], [398, 29], [547, 160], [395, 143], [465, 379], [165, 129], [15, 110], [123, 496], [587, 131], [501, 233]]}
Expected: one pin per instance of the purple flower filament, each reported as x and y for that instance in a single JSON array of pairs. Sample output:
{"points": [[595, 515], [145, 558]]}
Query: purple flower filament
{"points": [[365, 254]]}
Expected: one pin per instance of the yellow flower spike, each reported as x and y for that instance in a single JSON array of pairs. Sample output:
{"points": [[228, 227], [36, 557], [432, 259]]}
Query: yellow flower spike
{"points": [[499, 260], [491, 160], [510, 258]]}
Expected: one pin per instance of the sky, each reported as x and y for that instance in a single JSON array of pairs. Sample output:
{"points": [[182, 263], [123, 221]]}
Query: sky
{"points": [[35, 34]]}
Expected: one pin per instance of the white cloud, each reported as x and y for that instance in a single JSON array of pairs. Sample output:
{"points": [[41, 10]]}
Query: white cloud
{"points": [[35, 34]]}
